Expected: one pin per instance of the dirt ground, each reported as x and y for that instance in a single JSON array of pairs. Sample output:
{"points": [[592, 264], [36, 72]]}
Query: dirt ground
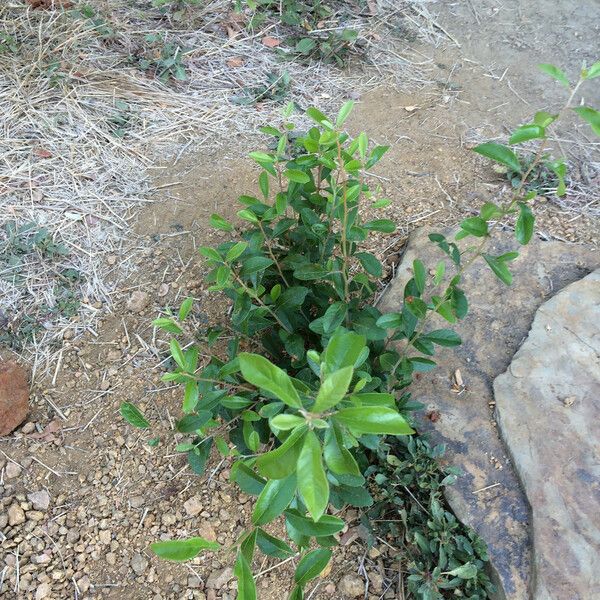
{"points": [[111, 494]]}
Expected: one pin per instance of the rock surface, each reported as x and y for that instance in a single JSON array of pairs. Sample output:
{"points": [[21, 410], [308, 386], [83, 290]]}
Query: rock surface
{"points": [[488, 497], [548, 409], [14, 396]]}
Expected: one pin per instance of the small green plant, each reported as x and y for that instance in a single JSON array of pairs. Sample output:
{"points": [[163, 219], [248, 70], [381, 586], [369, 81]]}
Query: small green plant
{"points": [[8, 44], [177, 8], [443, 555], [304, 424], [164, 59], [332, 46], [96, 22], [276, 89]]}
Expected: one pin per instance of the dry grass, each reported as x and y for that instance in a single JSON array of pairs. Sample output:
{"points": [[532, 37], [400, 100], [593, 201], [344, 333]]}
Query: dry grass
{"points": [[69, 87]]}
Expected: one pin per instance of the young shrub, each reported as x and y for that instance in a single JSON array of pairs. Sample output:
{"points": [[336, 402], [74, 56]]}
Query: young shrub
{"points": [[305, 410]]}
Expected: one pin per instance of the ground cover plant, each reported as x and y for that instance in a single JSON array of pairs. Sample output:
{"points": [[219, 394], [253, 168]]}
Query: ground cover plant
{"points": [[303, 384]]}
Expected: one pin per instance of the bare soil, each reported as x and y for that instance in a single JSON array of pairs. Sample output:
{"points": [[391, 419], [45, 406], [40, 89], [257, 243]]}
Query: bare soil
{"points": [[111, 493]]}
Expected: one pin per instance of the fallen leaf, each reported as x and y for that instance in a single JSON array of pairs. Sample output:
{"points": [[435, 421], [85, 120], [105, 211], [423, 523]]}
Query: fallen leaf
{"points": [[270, 42], [411, 108], [47, 435], [42, 153], [236, 61]]}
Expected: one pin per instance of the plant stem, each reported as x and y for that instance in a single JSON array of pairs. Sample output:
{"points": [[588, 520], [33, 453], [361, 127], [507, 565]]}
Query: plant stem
{"points": [[516, 197]]}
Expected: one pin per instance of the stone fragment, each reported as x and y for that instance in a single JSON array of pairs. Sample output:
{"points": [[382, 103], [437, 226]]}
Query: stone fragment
{"points": [[548, 410], [351, 586], [12, 470], [16, 515], [219, 579], [193, 506], [14, 396], [40, 500], [43, 591], [138, 301], [139, 563]]}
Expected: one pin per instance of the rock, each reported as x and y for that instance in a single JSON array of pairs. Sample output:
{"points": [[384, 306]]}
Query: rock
{"points": [[193, 506], [16, 515], [488, 497], [138, 301], [43, 591], [136, 501], [28, 428], [138, 563], [219, 579], [40, 500], [12, 470], [14, 396], [548, 409], [194, 582], [351, 586]]}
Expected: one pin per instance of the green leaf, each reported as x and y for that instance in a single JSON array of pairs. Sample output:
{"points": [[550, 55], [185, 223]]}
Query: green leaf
{"points": [[524, 225], [466, 571], [190, 396], [475, 226], [344, 113], [376, 155], [263, 183], [311, 565], [272, 546], [499, 153], [167, 325], [235, 251], [390, 321], [383, 225], [420, 275], [220, 223], [246, 584], [184, 309], [316, 115], [177, 354], [337, 457], [182, 550], [312, 481], [527, 132], [378, 420], [370, 263], [333, 390], [286, 422], [133, 415], [593, 71], [296, 176], [591, 116], [305, 45], [274, 499], [282, 461], [416, 306], [254, 264], [326, 525], [343, 350], [499, 268], [560, 169], [198, 456], [444, 337], [263, 374], [311, 271], [555, 73], [296, 594], [543, 118], [191, 423], [334, 316], [248, 481]]}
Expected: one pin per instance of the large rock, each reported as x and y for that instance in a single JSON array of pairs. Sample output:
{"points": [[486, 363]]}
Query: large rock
{"points": [[14, 396], [548, 410], [488, 497]]}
